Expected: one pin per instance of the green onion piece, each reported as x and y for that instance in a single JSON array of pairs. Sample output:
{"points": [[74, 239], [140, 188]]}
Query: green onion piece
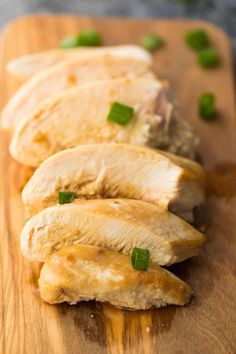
{"points": [[206, 106], [66, 197], [120, 114], [69, 42], [152, 42], [89, 38], [86, 38], [197, 39], [208, 58], [140, 258]]}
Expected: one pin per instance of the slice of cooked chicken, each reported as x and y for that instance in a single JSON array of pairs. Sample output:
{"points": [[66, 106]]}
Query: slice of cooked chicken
{"points": [[117, 170], [118, 224], [80, 272], [77, 117], [25, 67], [68, 74]]}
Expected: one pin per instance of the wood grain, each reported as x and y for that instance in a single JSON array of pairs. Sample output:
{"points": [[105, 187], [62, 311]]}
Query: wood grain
{"points": [[208, 324]]}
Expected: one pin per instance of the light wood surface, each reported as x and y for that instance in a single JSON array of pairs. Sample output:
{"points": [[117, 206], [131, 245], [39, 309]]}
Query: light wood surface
{"points": [[208, 324]]}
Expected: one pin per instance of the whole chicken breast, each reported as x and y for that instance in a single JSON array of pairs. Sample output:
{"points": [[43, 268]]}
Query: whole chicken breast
{"points": [[77, 117], [117, 170], [80, 272], [118, 224], [23, 68], [70, 73]]}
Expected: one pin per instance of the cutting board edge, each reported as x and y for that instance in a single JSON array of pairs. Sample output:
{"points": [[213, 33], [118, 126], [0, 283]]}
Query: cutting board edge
{"points": [[206, 24]]}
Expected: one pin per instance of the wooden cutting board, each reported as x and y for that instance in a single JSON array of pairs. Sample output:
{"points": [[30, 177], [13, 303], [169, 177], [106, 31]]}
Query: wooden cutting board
{"points": [[208, 324]]}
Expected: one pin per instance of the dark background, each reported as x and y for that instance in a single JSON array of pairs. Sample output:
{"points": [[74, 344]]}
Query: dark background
{"points": [[221, 12]]}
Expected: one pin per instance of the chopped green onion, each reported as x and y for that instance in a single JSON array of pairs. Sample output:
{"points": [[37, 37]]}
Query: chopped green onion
{"points": [[86, 38], [66, 197], [197, 39], [152, 42], [120, 114], [89, 38], [140, 258], [208, 58], [206, 106], [69, 42]]}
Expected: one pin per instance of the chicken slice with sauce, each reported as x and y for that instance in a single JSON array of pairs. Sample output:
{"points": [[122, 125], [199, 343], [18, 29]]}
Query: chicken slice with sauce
{"points": [[68, 74], [79, 116], [23, 68], [117, 224], [117, 171], [80, 272]]}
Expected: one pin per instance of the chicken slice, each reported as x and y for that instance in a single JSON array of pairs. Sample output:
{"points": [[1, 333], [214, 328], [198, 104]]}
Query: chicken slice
{"points": [[118, 224], [82, 272], [23, 68], [75, 117], [117, 170], [68, 74]]}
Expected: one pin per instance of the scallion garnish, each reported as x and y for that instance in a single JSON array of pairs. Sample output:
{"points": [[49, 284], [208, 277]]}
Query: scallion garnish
{"points": [[197, 39], [89, 38], [65, 197], [206, 106], [152, 42], [208, 58], [120, 113], [140, 258], [86, 38]]}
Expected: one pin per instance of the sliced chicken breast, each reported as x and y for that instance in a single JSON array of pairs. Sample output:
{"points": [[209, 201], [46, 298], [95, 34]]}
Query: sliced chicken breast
{"points": [[80, 272], [117, 224], [25, 67], [68, 74], [117, 170], [77, 117]]}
